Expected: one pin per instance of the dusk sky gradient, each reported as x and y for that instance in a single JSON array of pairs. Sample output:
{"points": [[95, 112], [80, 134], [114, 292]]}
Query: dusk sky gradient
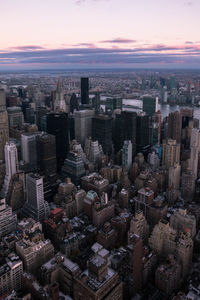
{"points": [[99, 33]]}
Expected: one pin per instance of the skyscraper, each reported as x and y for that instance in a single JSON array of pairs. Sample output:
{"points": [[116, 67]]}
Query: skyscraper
{"points": [[102, 132], [15, 116], [125, 129], [142, 137], [2, 100], [174, 126], [127, 155], [11, 160], [84, 90], [29, 153], [35, 205], [170, 153], [46, 153], [4, 133], [83, 125], [150, 105], [57, 124]]}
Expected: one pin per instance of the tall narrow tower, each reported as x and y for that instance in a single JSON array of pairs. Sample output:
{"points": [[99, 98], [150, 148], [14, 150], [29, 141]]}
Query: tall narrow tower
{"points": [[35, 206], [11, 160]]}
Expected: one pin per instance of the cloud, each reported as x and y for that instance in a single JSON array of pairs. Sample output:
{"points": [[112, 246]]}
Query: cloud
{"points": [[29, 47], [158, 54], [189, 3], [188, 43], [119, 41]]}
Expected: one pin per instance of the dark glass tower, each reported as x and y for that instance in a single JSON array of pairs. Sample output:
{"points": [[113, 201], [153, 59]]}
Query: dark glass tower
{"points": [[125, 129], [142, 137], [149, 105], [46, 153], [84, 90], [57, 124], [102, 132]]}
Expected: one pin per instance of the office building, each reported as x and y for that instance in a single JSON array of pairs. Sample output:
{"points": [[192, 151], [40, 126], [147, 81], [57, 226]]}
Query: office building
{"points": [[188, 185], [73, 167], [168, 275], [182, 219], [98, 282], [11, 160], [174, 177], [102, 132], [4, 132], [84, 90], [142, 134], [11, 270], [57, 125], [150, 105], [34, 253], [29, 150], [125, 129], [170, 153], [59, 101], [93, 151], [2, 100], [35, 206], [15, 116], [174, 126], [46, 153], [136, 252], [8, 220], [139, 226], [83, 125], [127, 155]]}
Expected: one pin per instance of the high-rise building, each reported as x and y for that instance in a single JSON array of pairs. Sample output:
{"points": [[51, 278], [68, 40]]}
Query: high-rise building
{"points": [[11, 160], [57, 125], [4, 133], [34, 253], [187, 185], [181, 219], [35, 206], [98, 282], [15, 116], [59, 101], [73, 167], [2, 100], [139, 226], [194, 151], [29, 150], [168, 275], [125, 129], [83, 125], [113, 103], [150, 105], [127, 155], [102, 132], [170, 153], [8, 220], [93, 151], [46, 153], [11, 273], [136, 249], [142, 136], [174, 177], [84, 90], [174, 126]]}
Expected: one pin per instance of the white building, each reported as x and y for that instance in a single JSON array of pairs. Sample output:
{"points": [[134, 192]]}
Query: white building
{"points": [[35, 207], [11, 160], [127, 155]]}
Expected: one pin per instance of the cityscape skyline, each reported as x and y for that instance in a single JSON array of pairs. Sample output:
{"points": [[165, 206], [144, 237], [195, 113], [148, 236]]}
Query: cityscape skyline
{"points": [[99, 34]]}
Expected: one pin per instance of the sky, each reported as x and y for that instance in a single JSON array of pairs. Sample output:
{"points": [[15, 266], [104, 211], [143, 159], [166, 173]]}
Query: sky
{"points": [[48, 34]]}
